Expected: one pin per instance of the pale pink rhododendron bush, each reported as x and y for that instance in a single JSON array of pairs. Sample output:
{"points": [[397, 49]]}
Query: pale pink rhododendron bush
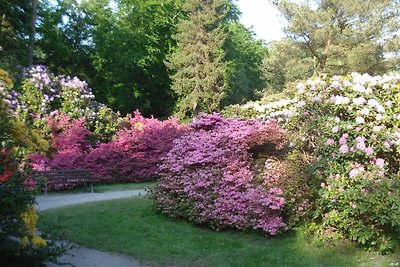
{"points": [[207, 177]]}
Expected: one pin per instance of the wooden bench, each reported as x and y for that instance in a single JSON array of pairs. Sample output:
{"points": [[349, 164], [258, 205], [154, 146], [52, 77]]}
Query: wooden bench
{"points": [[61, 177]]}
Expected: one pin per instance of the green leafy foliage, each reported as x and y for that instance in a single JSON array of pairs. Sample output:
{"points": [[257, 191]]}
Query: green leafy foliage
{"points": [[244, 56], [14, 29], [131, 42]]}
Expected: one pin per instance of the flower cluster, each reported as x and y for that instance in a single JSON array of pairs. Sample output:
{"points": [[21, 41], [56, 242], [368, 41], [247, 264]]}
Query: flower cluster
{"points": [[207, 176], [281, 110], [30, 218], [40, 90], [10, 97]]}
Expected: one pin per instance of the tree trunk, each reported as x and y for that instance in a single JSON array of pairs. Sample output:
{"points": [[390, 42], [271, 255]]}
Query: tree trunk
{"points": [[196, 110], [32, 32]]}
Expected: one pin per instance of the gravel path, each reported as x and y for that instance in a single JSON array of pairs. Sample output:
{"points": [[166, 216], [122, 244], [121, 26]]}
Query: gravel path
{"points": [[82, 256]]}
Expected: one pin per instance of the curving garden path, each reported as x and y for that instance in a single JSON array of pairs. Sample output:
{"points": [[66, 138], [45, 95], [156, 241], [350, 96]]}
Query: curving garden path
{"points": [[81, 256]]}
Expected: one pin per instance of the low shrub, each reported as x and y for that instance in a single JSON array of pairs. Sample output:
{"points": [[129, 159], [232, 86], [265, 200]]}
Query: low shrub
{"points": [[107, 163], [70, 144], [145, 141]]}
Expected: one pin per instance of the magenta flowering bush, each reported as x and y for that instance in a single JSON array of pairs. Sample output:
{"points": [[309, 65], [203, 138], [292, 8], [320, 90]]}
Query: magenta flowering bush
{"points": [[136, 150], [70, 144], [207, 176], [107, 163], [68, 133], [133, 155]]}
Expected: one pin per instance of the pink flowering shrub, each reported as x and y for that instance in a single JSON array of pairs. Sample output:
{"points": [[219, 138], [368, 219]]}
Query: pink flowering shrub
{"points": [[69, 133], [207, 176], [107, 163], [69, 147]]}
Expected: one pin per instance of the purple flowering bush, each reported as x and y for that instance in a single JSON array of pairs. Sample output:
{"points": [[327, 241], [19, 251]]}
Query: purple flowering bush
{"points": [[208, 178]]}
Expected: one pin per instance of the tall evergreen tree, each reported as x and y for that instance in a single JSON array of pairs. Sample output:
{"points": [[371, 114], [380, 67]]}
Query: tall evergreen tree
{"points": [[199, 70]]}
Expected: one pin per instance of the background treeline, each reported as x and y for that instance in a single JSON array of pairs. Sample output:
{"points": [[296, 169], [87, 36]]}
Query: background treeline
{"points": [[140, 54], [120, 48]]}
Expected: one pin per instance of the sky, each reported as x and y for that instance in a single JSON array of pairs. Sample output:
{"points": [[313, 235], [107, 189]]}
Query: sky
{"points": [[263, 18]]}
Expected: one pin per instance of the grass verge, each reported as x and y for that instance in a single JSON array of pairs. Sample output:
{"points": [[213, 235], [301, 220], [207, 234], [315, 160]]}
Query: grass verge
{"points": [[131, 227]]}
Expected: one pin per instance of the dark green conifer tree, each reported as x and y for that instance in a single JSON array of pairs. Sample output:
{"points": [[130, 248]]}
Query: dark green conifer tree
{"points": [[198, 66]]}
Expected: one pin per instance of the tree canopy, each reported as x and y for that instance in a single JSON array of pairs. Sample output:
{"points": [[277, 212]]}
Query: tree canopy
{"points": [[15, 17]]}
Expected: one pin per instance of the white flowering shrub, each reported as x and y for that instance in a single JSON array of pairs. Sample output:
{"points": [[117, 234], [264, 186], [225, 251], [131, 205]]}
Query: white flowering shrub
{"points": [[280, 110], [283, 108], [351, 127]]}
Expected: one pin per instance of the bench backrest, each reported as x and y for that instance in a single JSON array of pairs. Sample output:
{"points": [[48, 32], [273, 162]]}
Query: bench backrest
{"points": [[64, 175]]}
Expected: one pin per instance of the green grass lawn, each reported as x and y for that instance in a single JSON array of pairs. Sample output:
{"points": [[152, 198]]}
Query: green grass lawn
{"points": [[101, 188], [131, 227]]}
